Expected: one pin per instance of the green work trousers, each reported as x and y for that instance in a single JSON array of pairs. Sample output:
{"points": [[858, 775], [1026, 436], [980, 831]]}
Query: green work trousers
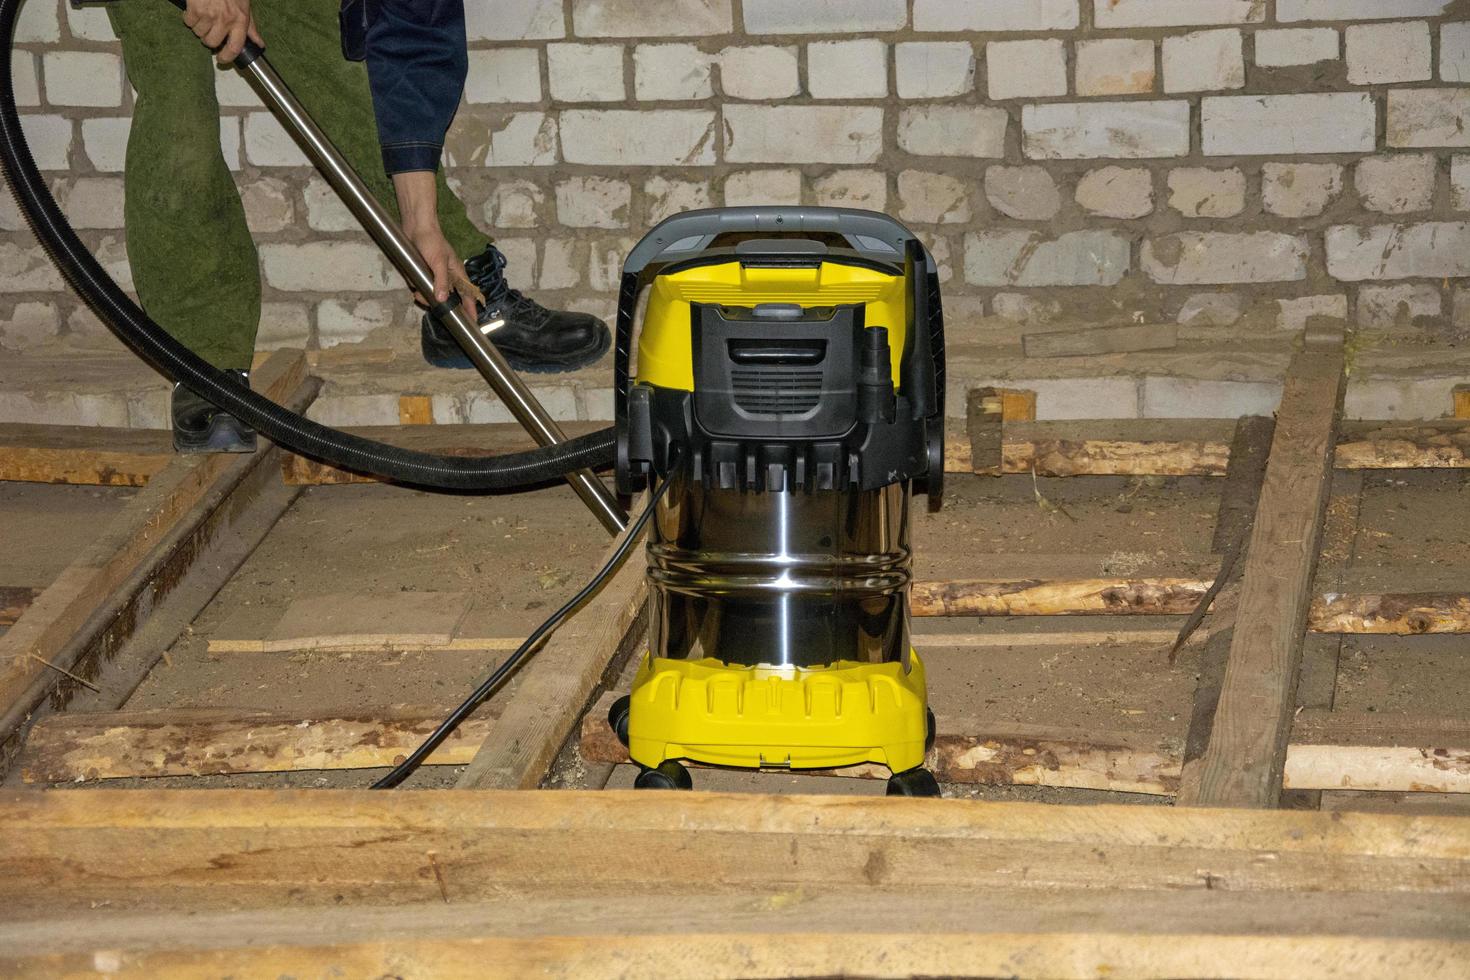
{"points": [[194, 264]]}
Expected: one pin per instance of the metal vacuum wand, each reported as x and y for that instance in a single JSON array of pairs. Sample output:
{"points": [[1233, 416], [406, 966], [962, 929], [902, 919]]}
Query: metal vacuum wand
{"points": [[405, 257]]}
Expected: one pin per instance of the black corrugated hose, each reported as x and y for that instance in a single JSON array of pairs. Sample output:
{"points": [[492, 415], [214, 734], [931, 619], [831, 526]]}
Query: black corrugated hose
{"points": [[147, 339]]}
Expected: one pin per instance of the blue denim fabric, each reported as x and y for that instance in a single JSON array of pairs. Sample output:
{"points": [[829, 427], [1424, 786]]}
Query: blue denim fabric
{"points": [[417, 61]]}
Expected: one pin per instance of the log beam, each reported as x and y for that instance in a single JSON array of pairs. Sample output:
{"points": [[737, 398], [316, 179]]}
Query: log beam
{"points": [[75, 746]]}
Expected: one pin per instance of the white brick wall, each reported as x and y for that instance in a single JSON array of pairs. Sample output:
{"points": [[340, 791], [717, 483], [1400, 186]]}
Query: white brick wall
{"points": [[1239, 164]]}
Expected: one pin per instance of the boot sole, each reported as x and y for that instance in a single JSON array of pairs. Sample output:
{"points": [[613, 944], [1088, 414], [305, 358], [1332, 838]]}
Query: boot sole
{"points": [[456, 359]]}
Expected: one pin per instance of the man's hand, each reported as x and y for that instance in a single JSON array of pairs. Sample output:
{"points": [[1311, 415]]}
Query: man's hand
{"points": [[418, 201], [223, 26]]}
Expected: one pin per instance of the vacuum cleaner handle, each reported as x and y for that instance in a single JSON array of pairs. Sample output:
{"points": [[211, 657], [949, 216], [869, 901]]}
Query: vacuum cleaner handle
{"points": [[874, 235]]}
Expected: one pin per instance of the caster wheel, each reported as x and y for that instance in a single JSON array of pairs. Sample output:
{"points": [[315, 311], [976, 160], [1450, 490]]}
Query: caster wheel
{"points": [[932, 731], [669, 775], [617, 717], [916, 782]]}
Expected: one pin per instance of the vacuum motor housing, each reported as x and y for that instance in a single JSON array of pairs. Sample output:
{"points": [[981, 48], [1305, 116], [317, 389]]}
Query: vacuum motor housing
{"points": [[789, 382]]}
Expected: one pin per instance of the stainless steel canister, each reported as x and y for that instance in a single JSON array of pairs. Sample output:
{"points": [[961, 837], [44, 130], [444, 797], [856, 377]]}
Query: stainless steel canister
{"points": [[788, 578]]}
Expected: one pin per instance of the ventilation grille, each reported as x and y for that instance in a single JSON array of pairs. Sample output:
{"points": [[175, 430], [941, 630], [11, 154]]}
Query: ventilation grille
{"points": [[784, 392]]}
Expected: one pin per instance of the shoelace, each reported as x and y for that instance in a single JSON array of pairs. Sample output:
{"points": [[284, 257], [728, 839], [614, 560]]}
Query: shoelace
{"points": [[487, 271]]}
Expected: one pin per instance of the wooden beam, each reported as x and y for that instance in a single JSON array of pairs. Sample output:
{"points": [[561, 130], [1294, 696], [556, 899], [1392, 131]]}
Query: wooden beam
{"points": [[992, 754], [1234, 518], [563, 677], [1395, 614], [1329, 750], [1116, 596], [1122, 447], [191, 851], [14, 600], [1461, 395], [952, 931], [109, 457], [1247, 746], [38, 653], [1400, 446], [75, 746], [1382, 752]]}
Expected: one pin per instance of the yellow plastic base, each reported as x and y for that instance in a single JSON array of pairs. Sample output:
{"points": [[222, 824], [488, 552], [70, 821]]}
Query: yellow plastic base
{"points": [[804, 718]]}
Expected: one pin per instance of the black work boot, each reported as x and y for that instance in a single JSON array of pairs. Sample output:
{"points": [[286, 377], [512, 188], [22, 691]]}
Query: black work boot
{"points": [[200, 427], [531, 337]]}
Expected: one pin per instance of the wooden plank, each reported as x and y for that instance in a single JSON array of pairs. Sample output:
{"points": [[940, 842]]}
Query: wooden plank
{"points": [[1234, 518], [983, 424], [563, 677], [350, 622], [77, 746], [14, 600], [41, 645], [1100, 340], [161, 850], [83, 454], [940, 931], [1461, 395], [1368, 751], [1247, 746]]}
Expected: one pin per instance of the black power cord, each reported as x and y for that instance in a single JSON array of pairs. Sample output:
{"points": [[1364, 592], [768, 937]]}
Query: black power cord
{"points": [[482, 693]]}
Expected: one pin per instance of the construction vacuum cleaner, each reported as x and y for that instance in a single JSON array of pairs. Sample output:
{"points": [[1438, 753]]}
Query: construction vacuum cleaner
{"points": [[787, 400], [788, 393]]}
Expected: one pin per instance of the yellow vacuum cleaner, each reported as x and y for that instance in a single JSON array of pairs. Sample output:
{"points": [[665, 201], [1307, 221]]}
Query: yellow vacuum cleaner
{"points": [[789, 387]]}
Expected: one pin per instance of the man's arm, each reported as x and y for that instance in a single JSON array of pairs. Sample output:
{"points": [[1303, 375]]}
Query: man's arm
{"points": [[417, 61]]}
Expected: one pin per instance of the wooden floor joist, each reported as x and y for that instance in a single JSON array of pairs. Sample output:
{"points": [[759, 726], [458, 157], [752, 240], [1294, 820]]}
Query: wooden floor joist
{"points": [[1241, 765], [1124, 447], [431, 883], [1328, 750], [563, 677], [38, 653]]}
